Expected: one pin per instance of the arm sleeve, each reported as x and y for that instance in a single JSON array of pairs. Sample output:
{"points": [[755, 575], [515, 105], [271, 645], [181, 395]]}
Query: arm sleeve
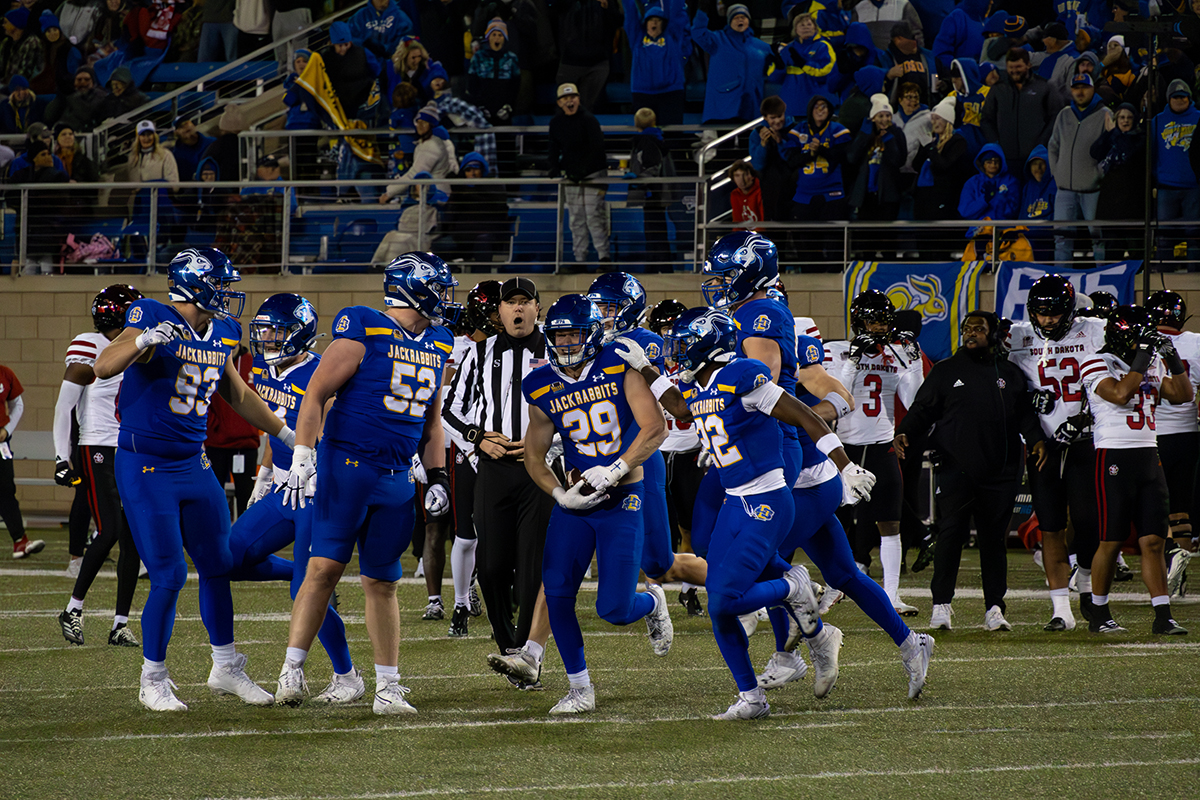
{"points": [[910, 383], [16, 408], [68, 397], [459, 409], [763, 398]]}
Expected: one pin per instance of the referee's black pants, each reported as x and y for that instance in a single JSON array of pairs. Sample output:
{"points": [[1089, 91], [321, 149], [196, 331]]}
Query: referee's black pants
{"points": [[959, 498], [511, 517]]}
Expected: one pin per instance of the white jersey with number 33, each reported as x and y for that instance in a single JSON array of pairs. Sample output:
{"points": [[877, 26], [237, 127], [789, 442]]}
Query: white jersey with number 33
{"points": [[1128, 426], [875, 383], [1056, 366]]}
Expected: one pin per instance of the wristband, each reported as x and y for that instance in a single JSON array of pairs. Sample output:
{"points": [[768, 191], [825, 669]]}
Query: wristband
{"points": [[839, 404], [660, 386], [1174, 363], [287, 436], [1141, 362], [264, 472], [828, 443]]}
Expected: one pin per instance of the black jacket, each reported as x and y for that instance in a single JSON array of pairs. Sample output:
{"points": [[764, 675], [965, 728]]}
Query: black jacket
{"points": [[576, 145], [1020, 119], [586, 30], [979, 408]]}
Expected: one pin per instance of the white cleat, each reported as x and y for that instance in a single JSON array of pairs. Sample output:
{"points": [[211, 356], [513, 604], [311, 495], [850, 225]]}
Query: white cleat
{"points": [[292, 685], [782, 669], [658, 622], [823, 649], [939, 619], [1177, 571], [916, 663], [232, 679], [749, 623], [1073, 580], [343, 689], [904, 609], [803, 604], [390, 698], [749, 705], [157, 694], [518, 663], [994, 620], [577, 701], [828, 598]]}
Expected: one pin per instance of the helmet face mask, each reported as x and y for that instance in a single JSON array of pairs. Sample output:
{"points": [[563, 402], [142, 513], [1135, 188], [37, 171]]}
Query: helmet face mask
{"points": [[621, 300], [110, 306], [1052, 297], [284, 327], [574, 331], [698, 337], [872, 314], [201, 276], [739, 265], [420, 281]]}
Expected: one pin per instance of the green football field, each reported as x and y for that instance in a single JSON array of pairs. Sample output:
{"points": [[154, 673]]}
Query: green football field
{"points": [[1006, 715]]}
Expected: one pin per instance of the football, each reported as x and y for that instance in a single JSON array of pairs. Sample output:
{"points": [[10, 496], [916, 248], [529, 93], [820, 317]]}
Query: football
{"points": [[574, 477]]}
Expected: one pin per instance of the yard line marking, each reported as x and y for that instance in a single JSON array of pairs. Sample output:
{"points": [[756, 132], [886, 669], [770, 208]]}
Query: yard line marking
{"points": [[367, 727], [1183, 735]]}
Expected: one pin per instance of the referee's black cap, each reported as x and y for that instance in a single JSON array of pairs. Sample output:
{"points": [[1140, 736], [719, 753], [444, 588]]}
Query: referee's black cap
{"points": [[514, 286]]}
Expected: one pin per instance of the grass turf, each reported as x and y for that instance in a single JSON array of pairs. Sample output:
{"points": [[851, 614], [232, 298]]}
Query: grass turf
{"points": [[1026, 713]]}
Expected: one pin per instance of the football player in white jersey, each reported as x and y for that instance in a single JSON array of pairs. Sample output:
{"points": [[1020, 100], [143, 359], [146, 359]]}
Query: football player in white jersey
{"points": [[94, 403], [1125, 383], [1178, 437], [1050, 349], [876, 368]]}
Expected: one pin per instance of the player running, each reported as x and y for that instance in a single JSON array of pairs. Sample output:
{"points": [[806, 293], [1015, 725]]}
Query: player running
{"points": [[587, 394], [385, 367], [173, 357]]}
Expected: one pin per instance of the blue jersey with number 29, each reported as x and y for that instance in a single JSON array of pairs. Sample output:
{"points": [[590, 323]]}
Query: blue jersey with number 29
{"points": [[283, 391], [163, 402], [590, 411], [380, 412]]}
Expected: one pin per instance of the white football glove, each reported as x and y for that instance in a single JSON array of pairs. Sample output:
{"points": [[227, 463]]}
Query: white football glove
{"points": [[632, 354], [856, 484], [304, 467], [703, 458], [600, 478], [437, 500], [161, 333], [575, 500], [262, 484], [418, 471]]}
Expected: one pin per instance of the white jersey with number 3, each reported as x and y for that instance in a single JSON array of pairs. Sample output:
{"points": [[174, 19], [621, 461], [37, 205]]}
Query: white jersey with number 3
{"points": [[875, 383], [1171, 418], [1128, 426], [1056, 366], [97, 409]]}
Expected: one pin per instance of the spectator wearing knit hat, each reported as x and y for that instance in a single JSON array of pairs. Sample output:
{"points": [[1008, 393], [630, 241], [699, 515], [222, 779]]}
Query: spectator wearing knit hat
{"points": [[659, 44], [880, 151], [943, 166], [460, 112], [494, 75], [124, 95], [1173, 135], [21, 50], [44, 212], [81, 108], [62, 58], [737, 62], [434, 153], [477, 215], [21, 109]]}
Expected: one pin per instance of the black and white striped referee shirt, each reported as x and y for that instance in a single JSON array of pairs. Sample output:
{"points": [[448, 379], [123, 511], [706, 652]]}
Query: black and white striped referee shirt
{"points": [[485, 394]]}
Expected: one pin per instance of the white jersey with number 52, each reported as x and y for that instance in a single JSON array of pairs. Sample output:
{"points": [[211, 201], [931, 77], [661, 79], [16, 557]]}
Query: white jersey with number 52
{"points": [[1171, 418], [1128, 426], [874, 384], [1056, 366]]}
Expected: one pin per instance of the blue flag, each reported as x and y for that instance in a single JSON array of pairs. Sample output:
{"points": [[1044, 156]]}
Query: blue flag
{"points": [[941, 293], [1014, 279]]}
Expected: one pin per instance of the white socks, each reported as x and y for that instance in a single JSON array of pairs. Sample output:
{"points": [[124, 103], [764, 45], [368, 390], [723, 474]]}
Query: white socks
{"points": [[534, 649], [890, 552], [296, 657], [462, 567], [384, 673], [223, 654], [1083, 580], [579, 680], [74, 605], [154, 670], [118, 621], [1061, 598]]}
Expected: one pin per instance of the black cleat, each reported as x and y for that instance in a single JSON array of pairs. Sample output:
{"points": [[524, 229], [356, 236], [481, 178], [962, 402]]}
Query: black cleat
{"points": [[924, 556], [1105, 626], [476, 607], [458, 622], [1086, 605], [121, 636], [434, 611], [72, 626], [1168, 627], [1122, 573], [524, 686], [691, 602], [1057, 624]]}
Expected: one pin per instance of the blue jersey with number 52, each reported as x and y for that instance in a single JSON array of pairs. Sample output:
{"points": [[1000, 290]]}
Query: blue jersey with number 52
{"points": [[380, 412], [590, 411], [163, 402], [745, 443]]}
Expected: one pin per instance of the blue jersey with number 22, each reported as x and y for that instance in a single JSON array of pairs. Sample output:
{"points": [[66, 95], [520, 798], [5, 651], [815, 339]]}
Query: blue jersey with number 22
{"points": [[283, 392], [380, 412]]}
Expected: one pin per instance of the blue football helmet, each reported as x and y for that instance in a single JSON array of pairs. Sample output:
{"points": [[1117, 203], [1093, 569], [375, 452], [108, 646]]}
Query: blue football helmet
{"points": [[699, 336], [200, 276], [573, 313], [420, 281], [624, 291], [284, 327], [739, 264]]}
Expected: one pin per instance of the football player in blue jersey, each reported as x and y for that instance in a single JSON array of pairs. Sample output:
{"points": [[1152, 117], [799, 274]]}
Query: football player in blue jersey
{"points": [[622, 303], [588, 395], [385, 367], [174, 356]]}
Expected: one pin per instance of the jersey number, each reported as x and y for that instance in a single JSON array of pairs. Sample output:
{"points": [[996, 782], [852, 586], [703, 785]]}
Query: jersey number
{"points": [[404, 400], [874, 405], [602, 420], [1140, 418], [193, 389], [1062, 387], [716, 441]]}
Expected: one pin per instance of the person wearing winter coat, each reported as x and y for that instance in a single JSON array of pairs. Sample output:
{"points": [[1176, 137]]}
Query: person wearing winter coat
{"points": [[21, 109], [494, 75], [746, 199], [994, 193], [412, 220], [62, 58], [1037, 201], [476, 216], [806, 61], [943, 166], [1120, 155], [817, 150], [856, 100], [961, 33], [736, 66], [577, 156], [1116, 73], [44, 214], [854, 50], [1060, 51], [881, 16], [907, 62], [659, 44], [649, 157], [1076, 129], [916, 120], [1020, 110], [123, 95], [409, 64], [379, 26], [352, 69], [970, 94], [189, 146], [768, 156], [1178, 189], [880, 151], [434, 154], [585, 33], [81, 108]]}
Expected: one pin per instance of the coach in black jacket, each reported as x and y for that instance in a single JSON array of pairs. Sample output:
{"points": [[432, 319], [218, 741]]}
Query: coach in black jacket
{"points": [[978, 403]]}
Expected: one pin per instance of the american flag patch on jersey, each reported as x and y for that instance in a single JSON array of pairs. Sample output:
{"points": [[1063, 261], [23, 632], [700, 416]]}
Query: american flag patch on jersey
{"points": [[534, 363]]}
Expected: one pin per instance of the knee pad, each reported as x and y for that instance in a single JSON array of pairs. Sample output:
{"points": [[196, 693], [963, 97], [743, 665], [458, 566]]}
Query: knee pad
{"points": [[170, 578]]}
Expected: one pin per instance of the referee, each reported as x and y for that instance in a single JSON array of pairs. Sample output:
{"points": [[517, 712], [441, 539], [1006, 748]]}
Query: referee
{"points": [[486, 407]]}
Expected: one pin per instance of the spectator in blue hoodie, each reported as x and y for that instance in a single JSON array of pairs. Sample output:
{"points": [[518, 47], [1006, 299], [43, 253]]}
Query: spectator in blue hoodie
{"points": [[1037, 201], [659, 46], [961, 33], [1178, 190], [854, 50], [992, 194], [736, 66], [817, 149], [969, 95], [806, 61], [379, 26]]}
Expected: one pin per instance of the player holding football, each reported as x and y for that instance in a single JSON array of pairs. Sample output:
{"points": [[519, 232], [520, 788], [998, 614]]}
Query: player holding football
{"points": [[173, 357]]}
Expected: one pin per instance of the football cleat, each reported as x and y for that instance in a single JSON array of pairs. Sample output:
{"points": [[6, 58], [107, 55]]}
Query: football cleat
{"points": [[750, 622], [1110, 625], [658, 622], [577, 701], [1086, 606], [802, 600], [73, 567], [1168, 627], [342, 689], [458, 622], [434, 611], [823, 649], [476, 605], [782, 669], [121, 636], [420, 571], [691, 603], [518, 663], [828, 598], [71, 623], [524, 686], [749, 705], [904, 609], [916, 663], [232, 679], [1060, 624], [1177, 571], [24, 547], [924, 556], [1073, 580], [157, 694], [391, 698], [994, 620], [292, 685], [1122, 573], [939, 618]]}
